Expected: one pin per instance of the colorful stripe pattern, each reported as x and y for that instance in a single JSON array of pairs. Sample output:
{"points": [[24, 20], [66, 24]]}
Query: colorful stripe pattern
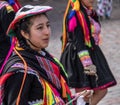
{"points": [[74, 8], [85, 58], [50, 96]]}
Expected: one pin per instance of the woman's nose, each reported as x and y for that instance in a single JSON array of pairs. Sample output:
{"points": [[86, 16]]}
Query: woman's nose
{"points": [[47, 30]]}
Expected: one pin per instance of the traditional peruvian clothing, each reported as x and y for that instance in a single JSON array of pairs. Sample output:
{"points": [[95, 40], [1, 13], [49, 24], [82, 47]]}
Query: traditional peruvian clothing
{"points": [[30, 77], [80, 48], [44, 77]]}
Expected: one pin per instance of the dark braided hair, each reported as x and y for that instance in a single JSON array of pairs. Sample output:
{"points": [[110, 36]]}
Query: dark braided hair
{"points": [[24, 25]]}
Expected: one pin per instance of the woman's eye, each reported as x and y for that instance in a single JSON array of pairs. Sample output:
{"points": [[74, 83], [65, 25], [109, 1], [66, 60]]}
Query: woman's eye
{"points": [[40, 28], [48, 25]]}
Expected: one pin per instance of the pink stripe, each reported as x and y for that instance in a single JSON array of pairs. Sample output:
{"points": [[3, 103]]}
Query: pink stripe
{"points": [[3, 3], [106, 85], [100, 87]]}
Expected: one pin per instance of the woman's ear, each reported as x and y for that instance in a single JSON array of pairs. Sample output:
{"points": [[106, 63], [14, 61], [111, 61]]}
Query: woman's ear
{"points": [[24, 34]]}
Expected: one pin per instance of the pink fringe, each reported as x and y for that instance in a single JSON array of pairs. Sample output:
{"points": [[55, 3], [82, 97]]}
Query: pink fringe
{"points": [[9, 53]]}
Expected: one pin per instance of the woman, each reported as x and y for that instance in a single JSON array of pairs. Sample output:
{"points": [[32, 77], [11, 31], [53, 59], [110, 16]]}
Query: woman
{"points": [[81, 56], [32, 76], [7, 13]]}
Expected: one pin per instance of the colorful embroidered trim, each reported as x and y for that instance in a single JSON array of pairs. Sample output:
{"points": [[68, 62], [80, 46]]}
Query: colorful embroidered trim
{"points": [[49, 68], [85, 58], [51, 96]]}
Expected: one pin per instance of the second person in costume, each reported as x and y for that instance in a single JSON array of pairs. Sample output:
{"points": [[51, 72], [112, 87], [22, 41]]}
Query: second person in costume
{"points": [[7, 13], [82, 57]]}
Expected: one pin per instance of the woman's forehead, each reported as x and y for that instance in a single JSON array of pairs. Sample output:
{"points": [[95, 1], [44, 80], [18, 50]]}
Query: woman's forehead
{"points": [[40, 19]]}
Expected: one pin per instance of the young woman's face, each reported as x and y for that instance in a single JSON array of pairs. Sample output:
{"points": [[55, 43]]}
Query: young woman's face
{"points": [[39, 32], [88, 3]]}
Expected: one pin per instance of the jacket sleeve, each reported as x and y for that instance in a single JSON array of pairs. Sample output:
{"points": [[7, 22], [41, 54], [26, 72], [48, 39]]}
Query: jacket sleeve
{"points": [[32, 92]]}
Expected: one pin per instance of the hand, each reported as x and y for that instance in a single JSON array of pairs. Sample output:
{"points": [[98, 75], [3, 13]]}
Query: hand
{"points": [[76, 96], [88, 95]]}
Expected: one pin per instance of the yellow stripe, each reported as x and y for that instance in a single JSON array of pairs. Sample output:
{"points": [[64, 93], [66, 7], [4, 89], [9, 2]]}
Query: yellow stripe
{"points": [[64, 27]]}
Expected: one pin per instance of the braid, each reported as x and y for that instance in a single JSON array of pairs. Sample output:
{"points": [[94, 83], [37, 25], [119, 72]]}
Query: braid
{"points": [[24, 25]]}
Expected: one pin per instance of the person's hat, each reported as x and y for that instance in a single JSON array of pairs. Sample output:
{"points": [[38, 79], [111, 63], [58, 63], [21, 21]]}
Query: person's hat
{"points": [[24, 12]]}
